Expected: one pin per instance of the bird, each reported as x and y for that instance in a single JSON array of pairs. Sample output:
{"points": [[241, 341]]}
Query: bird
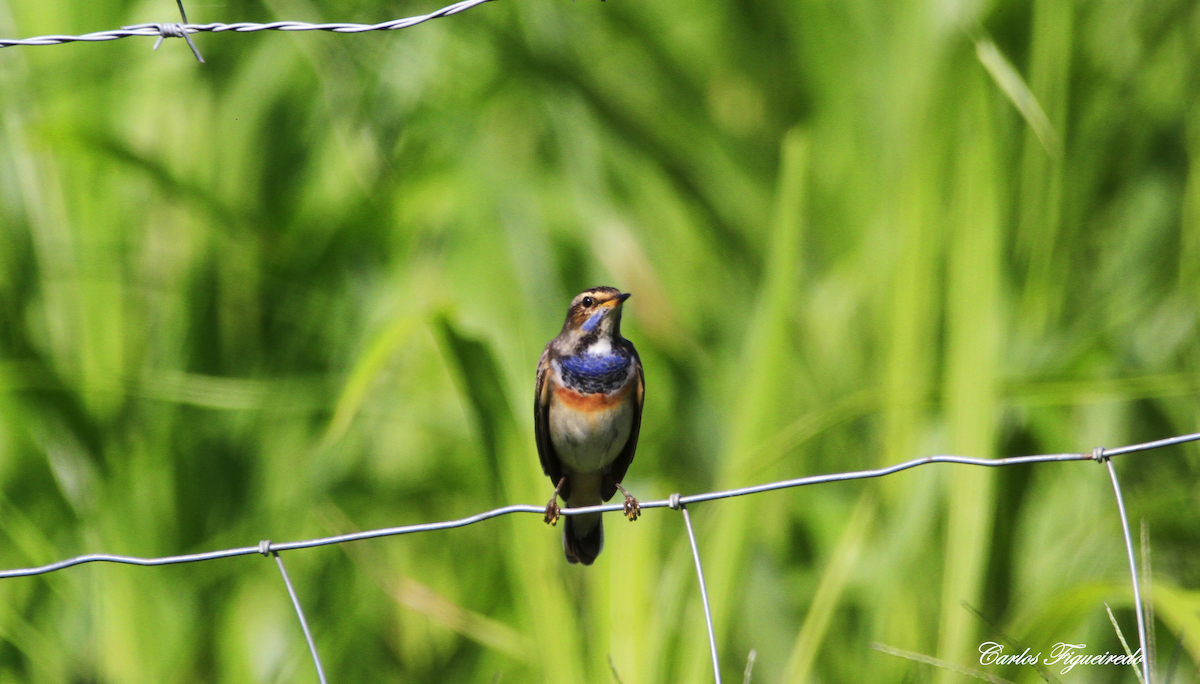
{"points": [[587, 416]]}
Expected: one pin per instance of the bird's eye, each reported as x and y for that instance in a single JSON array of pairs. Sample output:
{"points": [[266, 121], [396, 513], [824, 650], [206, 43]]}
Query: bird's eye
{"points": [[588, 302]]}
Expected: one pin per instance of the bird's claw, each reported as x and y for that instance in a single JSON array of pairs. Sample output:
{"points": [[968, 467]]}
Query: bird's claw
{"points": [[632, 508], [552, 512]]}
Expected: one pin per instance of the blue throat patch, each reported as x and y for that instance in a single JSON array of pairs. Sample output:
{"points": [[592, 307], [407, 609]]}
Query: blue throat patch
{"points": [[594, 320], [586, 364], [591, 374]]}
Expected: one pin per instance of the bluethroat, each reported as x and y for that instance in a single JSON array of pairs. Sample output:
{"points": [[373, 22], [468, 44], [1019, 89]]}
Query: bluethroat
{"points": [[587, 415]]}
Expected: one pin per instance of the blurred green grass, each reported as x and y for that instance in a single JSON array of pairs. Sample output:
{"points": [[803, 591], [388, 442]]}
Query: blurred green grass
{"points": [[301, 289]]}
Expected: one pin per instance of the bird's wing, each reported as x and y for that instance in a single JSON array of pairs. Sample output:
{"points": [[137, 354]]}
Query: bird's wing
{"points": [[616, 469], [551, 466]]}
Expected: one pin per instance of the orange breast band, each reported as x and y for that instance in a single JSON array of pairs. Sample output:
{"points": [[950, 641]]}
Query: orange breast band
{"points": [[591, 402]]}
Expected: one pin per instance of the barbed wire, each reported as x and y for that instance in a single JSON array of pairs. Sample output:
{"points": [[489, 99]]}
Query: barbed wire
{"points": [[184, 29], [675, 502]]}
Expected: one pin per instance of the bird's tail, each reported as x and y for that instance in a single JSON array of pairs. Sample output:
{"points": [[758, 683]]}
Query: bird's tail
{"points": [[583, 537]]}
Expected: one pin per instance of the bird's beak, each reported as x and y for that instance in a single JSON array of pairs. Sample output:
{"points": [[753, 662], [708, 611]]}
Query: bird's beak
{"points": [[615, 303]]}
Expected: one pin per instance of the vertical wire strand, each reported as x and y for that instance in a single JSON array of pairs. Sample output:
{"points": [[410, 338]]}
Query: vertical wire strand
{"points": [[1137, 594], [712, 638], [300, 613]]}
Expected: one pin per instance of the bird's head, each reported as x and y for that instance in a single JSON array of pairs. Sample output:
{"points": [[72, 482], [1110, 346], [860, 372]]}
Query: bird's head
{"points": [[596, 313]]}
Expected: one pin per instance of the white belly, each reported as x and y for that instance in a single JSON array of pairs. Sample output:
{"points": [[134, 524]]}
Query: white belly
{"points": [[587, 441]]}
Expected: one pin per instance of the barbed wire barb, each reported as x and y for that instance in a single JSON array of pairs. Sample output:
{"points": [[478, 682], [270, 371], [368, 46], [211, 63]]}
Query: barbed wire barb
{"points": [[179, 30], [182, 30]]}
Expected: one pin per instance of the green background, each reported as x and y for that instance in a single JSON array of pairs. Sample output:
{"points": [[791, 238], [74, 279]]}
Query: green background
{"points": [[302, 289]]}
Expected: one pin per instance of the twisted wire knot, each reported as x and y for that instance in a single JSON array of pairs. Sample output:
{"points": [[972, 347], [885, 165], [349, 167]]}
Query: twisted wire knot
{"points": [[673, 502], [264, 547], [174, 30], [170, 30], [1098, 454]]}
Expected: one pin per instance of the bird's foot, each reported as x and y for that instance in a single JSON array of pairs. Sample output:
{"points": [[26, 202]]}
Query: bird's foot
{"points": [[552, 509], [552, 512], [632, 508]]}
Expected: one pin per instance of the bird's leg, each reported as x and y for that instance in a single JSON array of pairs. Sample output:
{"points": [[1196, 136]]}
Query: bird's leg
{"points": [[552, 509], [632, 508]]}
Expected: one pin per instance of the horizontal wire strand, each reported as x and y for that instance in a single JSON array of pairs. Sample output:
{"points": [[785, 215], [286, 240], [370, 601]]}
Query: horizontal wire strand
{"points": [[266, 547]]}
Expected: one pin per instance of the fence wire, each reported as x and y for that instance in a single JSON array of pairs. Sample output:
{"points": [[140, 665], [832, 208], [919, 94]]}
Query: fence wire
{"points": [[184, 29], [674, 502]]}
